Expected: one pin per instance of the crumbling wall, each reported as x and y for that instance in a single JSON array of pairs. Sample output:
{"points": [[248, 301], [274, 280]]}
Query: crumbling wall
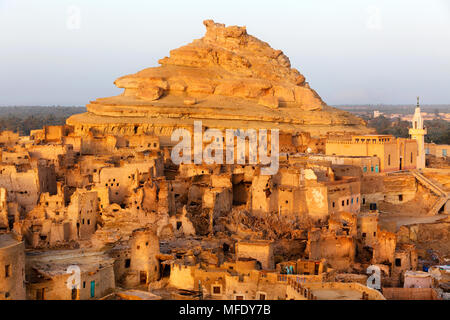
{"points": [[262, 251], [383, 250], [338, 250], [182, 276], [410, 294], [144, 246], [55, 288], [12, 266]]}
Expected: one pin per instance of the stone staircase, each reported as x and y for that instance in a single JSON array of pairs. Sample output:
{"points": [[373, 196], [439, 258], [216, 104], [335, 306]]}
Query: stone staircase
{"points": [[436, 188], [438, 205]]}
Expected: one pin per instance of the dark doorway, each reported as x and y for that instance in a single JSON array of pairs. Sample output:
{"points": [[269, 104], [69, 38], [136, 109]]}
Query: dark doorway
{"points": [[164, 270], [143, 277], [316, 268], [74, 294], [40, 294], [401, 164]]}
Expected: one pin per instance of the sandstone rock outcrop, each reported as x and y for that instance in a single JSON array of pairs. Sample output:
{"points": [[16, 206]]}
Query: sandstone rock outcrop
{"points": [[229, 78]]}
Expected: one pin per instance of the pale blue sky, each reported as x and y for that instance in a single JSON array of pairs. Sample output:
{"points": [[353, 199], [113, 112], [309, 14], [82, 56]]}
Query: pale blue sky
{"points": [[350, 51]]}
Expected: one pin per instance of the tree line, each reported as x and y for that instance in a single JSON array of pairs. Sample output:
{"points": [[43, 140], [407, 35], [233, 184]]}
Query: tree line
{"points": [[24, 119], [438, 130]]}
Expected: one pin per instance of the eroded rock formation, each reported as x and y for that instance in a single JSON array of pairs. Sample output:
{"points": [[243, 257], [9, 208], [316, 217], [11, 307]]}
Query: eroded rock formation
{"points": [[228, 79]]}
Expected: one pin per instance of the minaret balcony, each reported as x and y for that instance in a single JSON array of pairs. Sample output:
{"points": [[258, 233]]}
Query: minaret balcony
{"points": [[413, 131]]}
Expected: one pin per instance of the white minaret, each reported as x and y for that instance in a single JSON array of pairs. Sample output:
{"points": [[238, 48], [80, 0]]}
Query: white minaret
{"points": [[418, 133]]}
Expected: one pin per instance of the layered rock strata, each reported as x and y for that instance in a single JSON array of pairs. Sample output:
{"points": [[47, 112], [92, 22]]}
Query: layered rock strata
{"points": [[227, 79]]}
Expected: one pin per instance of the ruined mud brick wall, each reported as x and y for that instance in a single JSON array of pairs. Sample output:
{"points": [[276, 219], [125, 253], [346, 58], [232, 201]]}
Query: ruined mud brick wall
{"points": [[98, 145], [405, 258], [384, 248], [242, 265], [285, 250], [309, 267], [434, 236], [144, 246], [82, 212], [47, 178], [434, 162], [54, 133], [373, 294], [55, 286], [210, 277], [182, 276], [388, 188], [182, 225], [22, 187], [417, 279], [338, 250], [150, 196], [12, 267], [410, 294], [316, 200], [218, 197], [8, 138], [121, 254], [395, 185], [344, 195], [188, 277], [52, 152], [261, 200], [351, 278], [293, 193], [4, 216], [121, 180], [368, 228], [46, 233], [262, 251], [441, 176], [18, 157], [343, 170], [250, 287]]}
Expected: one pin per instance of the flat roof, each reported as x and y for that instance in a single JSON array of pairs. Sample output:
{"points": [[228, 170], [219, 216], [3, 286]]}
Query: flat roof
{"points": [[373, 135], [56, 262], [7, 240], [419, 274]]}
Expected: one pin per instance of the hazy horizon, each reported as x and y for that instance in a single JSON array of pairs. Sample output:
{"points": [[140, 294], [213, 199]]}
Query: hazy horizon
{"points": [[352, 53]]}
